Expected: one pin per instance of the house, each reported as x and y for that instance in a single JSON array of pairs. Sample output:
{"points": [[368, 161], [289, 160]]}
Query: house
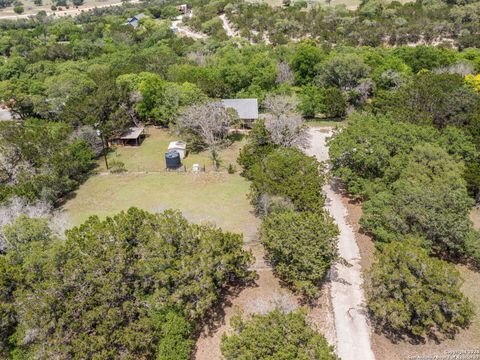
{"points": [[133, 136], [247, 109], [178, 146], [135, 21]]}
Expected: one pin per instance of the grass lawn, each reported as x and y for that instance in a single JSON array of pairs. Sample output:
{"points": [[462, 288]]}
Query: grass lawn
{"points": [[319, 122], [216, 197], [150, 156]]}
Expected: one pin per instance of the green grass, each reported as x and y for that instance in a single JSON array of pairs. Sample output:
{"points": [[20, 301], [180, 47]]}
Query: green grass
{"points": [[319, 122], [150, 156], [219, 198], [216, 197]]}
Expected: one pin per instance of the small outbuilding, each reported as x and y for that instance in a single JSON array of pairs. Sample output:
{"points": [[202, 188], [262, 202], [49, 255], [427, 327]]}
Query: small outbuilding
{"points": [[135, 21], [133, 137], [183, 8], [180, 147], [247, 109]]}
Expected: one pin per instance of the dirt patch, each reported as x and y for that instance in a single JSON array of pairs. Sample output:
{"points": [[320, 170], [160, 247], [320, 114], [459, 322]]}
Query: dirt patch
{"points": [[266, 295], [364, 242], [475, 217]]}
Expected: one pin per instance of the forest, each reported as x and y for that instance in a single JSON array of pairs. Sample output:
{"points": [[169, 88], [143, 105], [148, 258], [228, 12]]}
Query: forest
{"points": [[402, 81]]}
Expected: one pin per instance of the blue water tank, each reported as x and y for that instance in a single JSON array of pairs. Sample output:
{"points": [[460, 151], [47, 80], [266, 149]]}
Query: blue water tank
{"points": [[172, 159]]}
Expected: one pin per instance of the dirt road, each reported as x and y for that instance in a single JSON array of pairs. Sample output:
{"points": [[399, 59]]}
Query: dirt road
{"points": [[348, 300], [227, 27], [66, 12]]}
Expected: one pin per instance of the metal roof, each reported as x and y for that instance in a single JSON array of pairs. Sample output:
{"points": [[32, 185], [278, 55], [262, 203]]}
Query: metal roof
{"points": [[246, 108], [132, 133], [177, 145]]}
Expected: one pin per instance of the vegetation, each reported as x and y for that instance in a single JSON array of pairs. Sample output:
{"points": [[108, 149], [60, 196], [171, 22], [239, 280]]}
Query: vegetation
{"points": [[412, 294], [274, 176], [411, 151], [429, 199], [41, 160], [373, 23], [275, 335], [114, 285], [301, 246]]}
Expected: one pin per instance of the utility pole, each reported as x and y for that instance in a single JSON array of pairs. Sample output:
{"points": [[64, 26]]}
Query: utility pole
{"points": [[100, 135]]}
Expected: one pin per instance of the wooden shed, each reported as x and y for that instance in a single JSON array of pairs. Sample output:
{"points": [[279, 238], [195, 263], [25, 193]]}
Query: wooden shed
{"points": [[133, 137]]}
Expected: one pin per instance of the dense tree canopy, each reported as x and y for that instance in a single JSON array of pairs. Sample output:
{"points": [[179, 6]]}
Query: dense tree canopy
{"points": [[275, 335], [429, 199], [301, 246], [107, 288], [287, 172], [41, 160], [412, 294], [368, 154]]}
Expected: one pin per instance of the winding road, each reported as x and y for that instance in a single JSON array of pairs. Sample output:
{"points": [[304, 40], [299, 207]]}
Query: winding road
{"points": [[348, 300]]}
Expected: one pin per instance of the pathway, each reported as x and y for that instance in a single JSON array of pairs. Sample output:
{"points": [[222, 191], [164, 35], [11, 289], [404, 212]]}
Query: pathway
{"points": [[227, 27], [348, 300]]}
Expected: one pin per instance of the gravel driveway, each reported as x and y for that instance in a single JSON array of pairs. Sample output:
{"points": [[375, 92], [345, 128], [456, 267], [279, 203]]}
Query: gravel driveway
{"points": [[348, 300]]}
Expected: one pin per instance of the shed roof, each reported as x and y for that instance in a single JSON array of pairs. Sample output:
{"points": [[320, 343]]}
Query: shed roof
{"points": [[177, 145], [134, 20], [132, 133], [246, 108]]}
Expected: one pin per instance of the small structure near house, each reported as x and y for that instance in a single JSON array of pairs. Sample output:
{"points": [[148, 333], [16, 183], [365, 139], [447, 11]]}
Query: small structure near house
{"points": [[180, 147], [133, 136], [196, 168], [5, 113], [183, 8], [135, 21], [172, 160], [247, 109]]}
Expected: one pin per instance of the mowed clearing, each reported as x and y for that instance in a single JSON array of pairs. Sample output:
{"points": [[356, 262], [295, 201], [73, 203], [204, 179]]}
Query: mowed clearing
{"points": [[215, 197]]}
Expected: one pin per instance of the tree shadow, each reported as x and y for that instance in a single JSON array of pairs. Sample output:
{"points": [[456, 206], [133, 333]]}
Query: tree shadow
{"points": [[215, 318]]}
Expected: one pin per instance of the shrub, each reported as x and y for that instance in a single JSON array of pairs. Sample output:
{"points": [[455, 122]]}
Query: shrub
{"points": [[334, 103], [231, 169], [117, 166], [301, 247], [175, 336], [275, 335], [291, 174], [259, 145], [18, 9], [412, 294]]}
